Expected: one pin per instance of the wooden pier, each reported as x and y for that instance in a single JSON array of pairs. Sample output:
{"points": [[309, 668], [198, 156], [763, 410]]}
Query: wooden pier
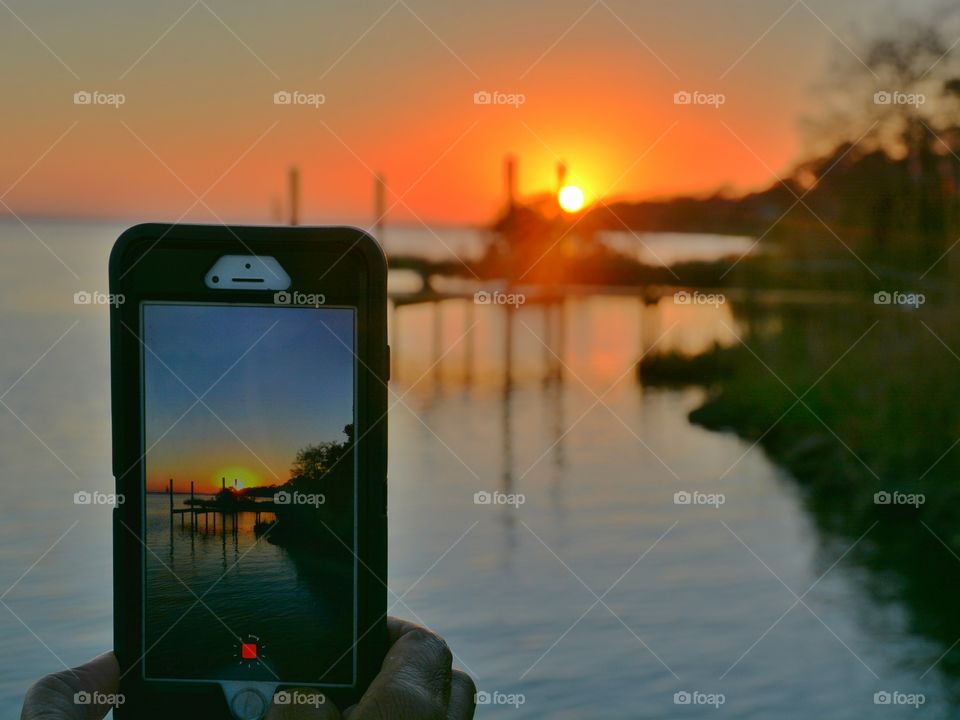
{"points": [[195, 508]]}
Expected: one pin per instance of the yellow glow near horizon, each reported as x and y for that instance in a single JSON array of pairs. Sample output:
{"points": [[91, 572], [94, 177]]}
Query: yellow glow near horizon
{"points": [[571, 198], [244, 476]]}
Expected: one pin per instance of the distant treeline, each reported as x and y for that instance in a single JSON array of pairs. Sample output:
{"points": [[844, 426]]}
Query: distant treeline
{"points": [[894, 211]]}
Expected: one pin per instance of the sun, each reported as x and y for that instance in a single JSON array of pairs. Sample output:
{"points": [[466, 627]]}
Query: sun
{"points": [[237, 477], [570, 198]]}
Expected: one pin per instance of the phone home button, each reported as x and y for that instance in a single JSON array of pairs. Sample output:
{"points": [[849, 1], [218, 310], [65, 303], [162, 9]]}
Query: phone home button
{"points": [[248, 704]]}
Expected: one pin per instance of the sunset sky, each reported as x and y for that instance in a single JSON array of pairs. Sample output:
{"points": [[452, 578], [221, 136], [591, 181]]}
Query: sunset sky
{"points": [[399, 78], [272, 380]]}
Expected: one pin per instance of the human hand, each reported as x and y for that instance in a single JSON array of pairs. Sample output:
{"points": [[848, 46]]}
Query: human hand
{"points": [[58, 696], [416, 682]]}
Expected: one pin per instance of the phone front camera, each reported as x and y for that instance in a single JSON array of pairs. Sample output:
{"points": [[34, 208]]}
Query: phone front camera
{"points": [[247, 266], [215, 278]]}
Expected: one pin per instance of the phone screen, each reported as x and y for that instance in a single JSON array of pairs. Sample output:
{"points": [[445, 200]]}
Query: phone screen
{"points": [[249, 508]]}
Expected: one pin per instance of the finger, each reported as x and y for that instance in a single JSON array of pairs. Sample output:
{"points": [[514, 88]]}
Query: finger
{"points": [[78, 694], [463, 696], [414, 681], [397, 628], [420, 657], [302, 704]]}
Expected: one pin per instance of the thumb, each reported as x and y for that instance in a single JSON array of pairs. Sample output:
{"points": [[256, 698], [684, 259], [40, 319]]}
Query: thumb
{"points": [[302, 704], [73, 694]]}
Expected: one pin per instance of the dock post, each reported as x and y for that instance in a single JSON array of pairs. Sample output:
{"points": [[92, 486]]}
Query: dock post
{"points": [[507, 347], [548, 359], [437, 340], [293, 179], [469, 349], [561, 312], [379, 205]]}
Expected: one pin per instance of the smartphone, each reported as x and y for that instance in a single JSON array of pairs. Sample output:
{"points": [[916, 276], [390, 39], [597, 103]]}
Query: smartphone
{"points": [[249, 373]]}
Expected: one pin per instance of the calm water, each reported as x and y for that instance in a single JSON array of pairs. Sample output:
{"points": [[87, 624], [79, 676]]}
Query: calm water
{"points": [[235, 570], [686, 604]]}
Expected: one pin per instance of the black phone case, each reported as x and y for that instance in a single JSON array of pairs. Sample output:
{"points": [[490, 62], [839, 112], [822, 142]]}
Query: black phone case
{"points": [[168, 262]]}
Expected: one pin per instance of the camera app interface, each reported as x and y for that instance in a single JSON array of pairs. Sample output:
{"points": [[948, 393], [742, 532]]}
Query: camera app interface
{"points": [[249, 509]]}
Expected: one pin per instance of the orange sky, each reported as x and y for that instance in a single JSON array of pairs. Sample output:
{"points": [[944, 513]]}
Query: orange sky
{"points": [[398, 79]]}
